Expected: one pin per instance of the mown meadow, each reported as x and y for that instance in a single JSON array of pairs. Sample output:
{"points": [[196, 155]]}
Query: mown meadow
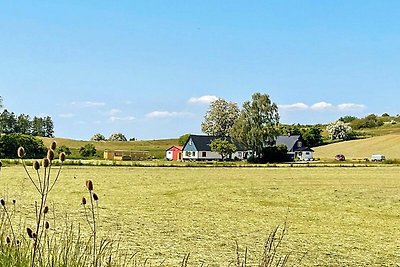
{"points": [[334, 216]]}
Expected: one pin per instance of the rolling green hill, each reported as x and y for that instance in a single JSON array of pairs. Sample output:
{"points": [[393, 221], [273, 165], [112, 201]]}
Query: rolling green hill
{"points": [[155, 148], [382, 140]]}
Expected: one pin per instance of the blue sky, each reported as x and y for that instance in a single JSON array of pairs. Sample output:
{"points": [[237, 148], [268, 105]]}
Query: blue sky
{"points": [[149, 68]]}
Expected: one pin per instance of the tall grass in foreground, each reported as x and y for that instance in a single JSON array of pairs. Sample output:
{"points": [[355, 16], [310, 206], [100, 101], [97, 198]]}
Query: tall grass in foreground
{"points": [[51, 243]]}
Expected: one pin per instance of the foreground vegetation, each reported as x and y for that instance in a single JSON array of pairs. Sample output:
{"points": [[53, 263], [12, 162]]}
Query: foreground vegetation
{"points": [[338, 216]]}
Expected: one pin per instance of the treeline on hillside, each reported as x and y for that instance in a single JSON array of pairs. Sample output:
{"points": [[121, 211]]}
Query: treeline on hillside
{"points": [[370, 121], [37, 126]]}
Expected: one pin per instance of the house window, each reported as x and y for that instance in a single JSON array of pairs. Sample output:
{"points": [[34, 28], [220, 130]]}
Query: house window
{"points": [[299, 144], [204, 154], [240, 154], [188, 153], [190, 142]]}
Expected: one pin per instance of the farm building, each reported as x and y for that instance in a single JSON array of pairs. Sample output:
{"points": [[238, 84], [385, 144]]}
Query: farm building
{"points": [[197, 147], [296, 150], [126, 155], [174, 153]]}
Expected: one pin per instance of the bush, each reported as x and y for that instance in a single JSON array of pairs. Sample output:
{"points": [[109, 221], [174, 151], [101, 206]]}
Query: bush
{"points": [[64, 149], [9, 144], [89, 150]]}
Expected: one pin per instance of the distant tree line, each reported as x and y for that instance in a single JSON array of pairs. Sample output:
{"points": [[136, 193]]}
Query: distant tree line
{"points": [[23, 124]]}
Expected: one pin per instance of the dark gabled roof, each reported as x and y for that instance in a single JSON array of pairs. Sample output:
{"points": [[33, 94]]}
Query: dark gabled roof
{"points": [[288, 141], [202, 142]]}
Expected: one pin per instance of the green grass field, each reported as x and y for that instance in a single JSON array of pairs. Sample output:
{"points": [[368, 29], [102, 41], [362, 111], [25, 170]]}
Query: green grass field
{"points": [[339, 216]]}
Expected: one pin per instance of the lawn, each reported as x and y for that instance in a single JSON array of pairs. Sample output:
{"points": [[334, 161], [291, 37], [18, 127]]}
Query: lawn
{"points": [[337, 216]]}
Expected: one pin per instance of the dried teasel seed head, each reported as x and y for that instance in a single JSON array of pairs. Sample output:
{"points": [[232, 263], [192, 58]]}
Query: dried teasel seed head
{"points": [[46, 210], [36, 165], [45, 162], [53, 145], [21, 152], [89, 185], [95, 197], [50, 154], [2, 202], [61, 157], [47, 225], [83, 201], [8, 240], [30, 232]]}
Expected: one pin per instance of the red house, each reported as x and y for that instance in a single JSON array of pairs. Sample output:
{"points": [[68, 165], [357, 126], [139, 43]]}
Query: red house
{"points": [[174, 153]]}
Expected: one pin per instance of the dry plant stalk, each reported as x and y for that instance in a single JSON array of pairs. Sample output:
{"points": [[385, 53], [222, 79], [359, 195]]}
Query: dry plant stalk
{"points": [[44, 184]]}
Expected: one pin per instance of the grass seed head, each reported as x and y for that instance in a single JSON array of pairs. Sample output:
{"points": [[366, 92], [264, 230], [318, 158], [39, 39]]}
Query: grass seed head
{"points": [[47, 225], [2, 202], [50, 154], [30, 232], [36, 165], [46, 162], [89, 185], [14, 201], [53, 145], [8, 240], [62, 157], [1, 164], [95, 197], [21, 152], [83, 201], [46, 210]]}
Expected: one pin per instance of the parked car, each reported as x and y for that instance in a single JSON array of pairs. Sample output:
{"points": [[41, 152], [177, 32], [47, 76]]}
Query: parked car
{"points": [[340, 157], [378, 157]]}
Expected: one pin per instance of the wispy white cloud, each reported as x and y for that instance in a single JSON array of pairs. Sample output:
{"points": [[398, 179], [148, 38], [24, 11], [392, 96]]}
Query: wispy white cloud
{"points": [[206, 99], [67, 115], [88, 104], [295, 106], [115, 118], [321, 105], [351, 107], [167, 114], [114, 112]]}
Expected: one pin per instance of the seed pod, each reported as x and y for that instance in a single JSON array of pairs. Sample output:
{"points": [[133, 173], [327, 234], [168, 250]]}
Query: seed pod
{"points": [[95, 197], [47, 225], [36, 165], [61, 157], [30, 232], [89, 185], [83, 201], [53, 145], [45, 162], [2, 202], [14, 201], [46, 210], [8, 240], [21, 152], [50, 154]]}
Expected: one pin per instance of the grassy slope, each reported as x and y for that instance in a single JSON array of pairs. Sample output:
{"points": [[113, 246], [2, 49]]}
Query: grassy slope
{"points": [[340, 216], [385, 140], [154, 147]]}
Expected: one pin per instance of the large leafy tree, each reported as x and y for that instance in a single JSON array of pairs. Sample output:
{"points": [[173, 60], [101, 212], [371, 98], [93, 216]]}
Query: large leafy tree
{"points": [[339, 130], [8, 122], [257, 125], [117, 137], [220, 118], [98, 137], [24, 124]]}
